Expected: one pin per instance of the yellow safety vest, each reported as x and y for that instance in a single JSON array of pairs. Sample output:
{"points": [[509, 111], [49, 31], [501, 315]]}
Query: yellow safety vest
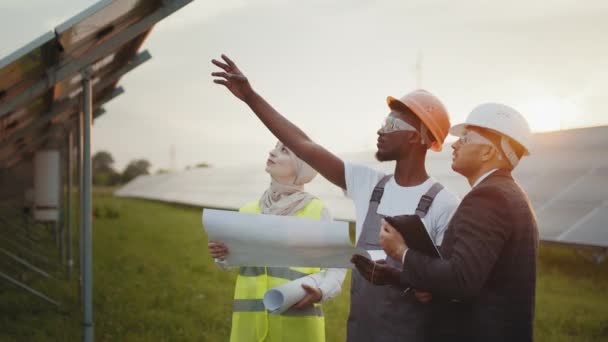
{"points": [[251, 321]]}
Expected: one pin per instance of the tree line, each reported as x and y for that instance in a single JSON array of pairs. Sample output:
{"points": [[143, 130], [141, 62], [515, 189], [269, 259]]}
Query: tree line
{"points": [[104, 173]]}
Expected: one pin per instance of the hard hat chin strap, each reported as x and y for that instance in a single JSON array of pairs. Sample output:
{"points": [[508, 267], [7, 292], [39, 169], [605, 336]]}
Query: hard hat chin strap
{"points": [[473, 137], [508, 150], [424, 135]]}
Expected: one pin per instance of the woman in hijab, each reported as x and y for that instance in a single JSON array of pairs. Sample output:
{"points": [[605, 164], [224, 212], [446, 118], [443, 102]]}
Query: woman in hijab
{"points": [[304, 321]]}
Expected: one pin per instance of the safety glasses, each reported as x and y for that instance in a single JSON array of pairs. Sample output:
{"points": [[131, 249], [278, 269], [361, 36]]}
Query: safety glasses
{"points": [[392, 124], [474, 138]]}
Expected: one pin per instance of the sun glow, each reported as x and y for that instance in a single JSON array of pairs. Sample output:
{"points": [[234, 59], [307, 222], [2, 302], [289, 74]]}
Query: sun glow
{"points": [[551, 114]]}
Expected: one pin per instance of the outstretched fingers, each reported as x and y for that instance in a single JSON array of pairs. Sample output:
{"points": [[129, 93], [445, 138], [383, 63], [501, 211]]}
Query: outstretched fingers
{"points": [[222, 82], [229, 76], [222, 74], [224, 77], [229, 61], [220, 64], [228, 65]]}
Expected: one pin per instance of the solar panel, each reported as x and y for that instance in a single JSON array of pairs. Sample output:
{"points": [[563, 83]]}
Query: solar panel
{"points": [[45, 75], [47, 84], [560, 216], [566, 180], [590, 229]]}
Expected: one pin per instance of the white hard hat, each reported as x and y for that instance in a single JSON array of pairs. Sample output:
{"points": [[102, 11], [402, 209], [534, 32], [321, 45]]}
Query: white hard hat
{"points": [[500, 118]]}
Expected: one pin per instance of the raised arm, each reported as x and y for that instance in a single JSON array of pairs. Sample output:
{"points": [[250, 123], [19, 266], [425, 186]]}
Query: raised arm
{"points": [[325, 162]]}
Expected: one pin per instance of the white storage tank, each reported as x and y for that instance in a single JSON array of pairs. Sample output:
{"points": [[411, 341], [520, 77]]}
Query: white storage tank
{"points": [[46, 185]]}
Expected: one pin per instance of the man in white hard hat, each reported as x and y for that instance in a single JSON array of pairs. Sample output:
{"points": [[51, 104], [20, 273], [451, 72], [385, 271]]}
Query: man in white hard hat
{"points": [[484, 286]]}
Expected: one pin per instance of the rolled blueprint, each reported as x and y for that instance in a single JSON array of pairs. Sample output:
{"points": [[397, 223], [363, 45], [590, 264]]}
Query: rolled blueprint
{"points": [[280, 298], [280, 241]]}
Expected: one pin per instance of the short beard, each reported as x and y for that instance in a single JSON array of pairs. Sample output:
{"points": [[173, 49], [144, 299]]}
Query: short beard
{"points": [[382, 157]]}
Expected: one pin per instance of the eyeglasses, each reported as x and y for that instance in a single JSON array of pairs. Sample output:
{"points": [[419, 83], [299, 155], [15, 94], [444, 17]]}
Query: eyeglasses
{"points": [[474, 138], [392, 124]]}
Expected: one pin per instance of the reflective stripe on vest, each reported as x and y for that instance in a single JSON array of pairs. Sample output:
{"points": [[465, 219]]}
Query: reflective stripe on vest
{"points": [[257, 305]]}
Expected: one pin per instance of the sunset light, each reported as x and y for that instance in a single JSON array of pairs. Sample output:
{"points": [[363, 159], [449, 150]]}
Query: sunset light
{"points": [[551, 113]]}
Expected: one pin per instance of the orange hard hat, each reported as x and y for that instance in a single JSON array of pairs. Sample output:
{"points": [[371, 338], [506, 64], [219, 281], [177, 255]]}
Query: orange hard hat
{"points": [[429, 110]]}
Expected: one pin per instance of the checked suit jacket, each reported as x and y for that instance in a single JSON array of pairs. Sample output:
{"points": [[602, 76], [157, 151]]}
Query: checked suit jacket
{"points": [[484, 287]]}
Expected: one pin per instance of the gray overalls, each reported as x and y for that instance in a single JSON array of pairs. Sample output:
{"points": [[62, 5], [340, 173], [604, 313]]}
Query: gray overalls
{"points": [[385, 313]]}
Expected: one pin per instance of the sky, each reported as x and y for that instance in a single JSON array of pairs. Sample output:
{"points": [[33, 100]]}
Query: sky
{"points": [[328, 65]]}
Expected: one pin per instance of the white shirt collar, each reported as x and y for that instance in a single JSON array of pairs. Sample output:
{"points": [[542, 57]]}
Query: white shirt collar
{"points": [[484, 176]]}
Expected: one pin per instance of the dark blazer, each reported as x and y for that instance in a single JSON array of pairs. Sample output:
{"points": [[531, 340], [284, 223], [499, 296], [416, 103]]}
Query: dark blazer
{"points": [[489, 265]]}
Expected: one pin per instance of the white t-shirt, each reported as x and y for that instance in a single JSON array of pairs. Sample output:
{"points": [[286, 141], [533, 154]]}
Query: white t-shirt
{"points": [[398, 200]]}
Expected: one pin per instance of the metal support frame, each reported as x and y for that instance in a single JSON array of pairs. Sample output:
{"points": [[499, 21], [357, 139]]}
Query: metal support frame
{"points": [[23, 252], [24, 263], [600, 257], [66, 105], [35, 144], [40, 258], [53, 75], [60, 73], [69, 218], [591, 253], [27, 288], [594, 255], [21, 238], [87, 214], [80, 194]]}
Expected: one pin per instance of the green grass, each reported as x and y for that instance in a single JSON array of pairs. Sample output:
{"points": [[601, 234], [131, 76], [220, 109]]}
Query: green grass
{"points": [[155, 281]]}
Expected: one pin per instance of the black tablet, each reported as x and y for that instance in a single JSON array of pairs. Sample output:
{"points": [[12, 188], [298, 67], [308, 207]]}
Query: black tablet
{"points": [[414, 233]]}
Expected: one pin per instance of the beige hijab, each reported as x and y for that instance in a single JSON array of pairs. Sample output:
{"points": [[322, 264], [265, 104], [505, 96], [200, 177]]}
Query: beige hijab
{"points": [[288, 199]]}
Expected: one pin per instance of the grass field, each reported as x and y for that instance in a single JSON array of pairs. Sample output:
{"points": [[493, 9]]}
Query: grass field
{"points": [[155, 281]]}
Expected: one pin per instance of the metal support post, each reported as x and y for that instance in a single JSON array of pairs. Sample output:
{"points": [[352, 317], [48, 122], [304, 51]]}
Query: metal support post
{"points": [[80, 197], [70, 180], [87, 279]]}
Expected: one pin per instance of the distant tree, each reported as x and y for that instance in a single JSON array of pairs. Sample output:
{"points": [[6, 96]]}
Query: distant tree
{"points": [[135, 168], [202, 165], [102, 161], [114, 178], [103, 170], [161, 171]]}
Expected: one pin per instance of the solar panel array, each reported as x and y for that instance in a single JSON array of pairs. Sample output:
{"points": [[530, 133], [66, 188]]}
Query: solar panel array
{"points": [[566, 178], [50, 90], [41, 83]]}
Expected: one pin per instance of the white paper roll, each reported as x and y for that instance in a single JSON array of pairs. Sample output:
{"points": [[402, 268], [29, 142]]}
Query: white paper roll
{"points": [[280, 298], [280, 241]]}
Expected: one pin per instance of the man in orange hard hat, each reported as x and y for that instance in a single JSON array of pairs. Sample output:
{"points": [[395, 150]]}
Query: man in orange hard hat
{"points": [[416, 123]]}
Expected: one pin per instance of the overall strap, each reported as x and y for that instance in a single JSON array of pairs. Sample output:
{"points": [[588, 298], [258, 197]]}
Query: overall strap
{"points": [[427, 200], [371, 225], [379, 190]]}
